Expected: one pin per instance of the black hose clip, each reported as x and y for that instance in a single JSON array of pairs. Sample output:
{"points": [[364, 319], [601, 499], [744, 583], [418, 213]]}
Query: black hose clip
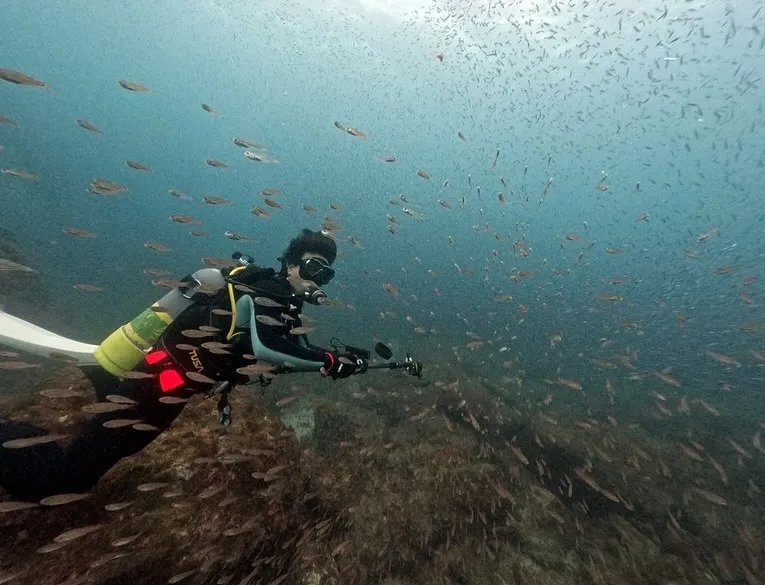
{"points": [[244, 259], [413, 368], [224, 410], [224, 406]]}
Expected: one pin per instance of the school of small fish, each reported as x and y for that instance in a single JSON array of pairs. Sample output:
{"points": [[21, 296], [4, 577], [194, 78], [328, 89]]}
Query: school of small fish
{"points": [[578, 241]]}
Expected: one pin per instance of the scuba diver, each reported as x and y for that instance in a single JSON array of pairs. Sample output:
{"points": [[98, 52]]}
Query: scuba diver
{"points": [[202, 337]]}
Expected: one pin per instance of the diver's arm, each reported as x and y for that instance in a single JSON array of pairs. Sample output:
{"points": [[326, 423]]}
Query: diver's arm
{"points": [[275, 340], [304, 341], [270, 344]]}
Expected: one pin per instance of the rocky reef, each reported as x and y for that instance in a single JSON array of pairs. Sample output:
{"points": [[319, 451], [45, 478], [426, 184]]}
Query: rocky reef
{"points": [[402, 482]]}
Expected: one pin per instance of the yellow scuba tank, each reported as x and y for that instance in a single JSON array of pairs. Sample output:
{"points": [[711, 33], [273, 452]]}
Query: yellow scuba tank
{"points": [[123, 350]]}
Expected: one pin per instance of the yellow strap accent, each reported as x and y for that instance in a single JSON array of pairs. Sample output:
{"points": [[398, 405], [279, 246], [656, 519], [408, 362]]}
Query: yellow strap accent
{"points": [[230, 333]]}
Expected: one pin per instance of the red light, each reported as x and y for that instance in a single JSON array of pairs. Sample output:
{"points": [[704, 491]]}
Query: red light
{"points": [[169, 380], [155, 357]]}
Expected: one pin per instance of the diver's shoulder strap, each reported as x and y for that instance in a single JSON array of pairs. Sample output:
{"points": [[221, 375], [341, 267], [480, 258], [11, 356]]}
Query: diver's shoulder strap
{"points": [[252, 273]]}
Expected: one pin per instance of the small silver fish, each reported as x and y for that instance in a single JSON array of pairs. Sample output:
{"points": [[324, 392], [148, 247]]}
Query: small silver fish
{"points": [[76, 533], [32, 441], [266, 320], [201, 378], [266, 302], [196, 333], [102, 407], [63, 499], [8, 265]]}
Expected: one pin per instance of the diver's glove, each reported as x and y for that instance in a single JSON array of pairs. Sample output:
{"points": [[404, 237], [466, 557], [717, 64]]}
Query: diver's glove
{"points": [[341, 366]]}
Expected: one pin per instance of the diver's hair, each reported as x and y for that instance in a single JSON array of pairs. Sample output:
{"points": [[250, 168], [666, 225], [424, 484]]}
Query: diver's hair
{"points": [[309, 241]]}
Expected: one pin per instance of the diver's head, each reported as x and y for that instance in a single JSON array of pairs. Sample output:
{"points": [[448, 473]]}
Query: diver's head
{"points": [[307, 261]]}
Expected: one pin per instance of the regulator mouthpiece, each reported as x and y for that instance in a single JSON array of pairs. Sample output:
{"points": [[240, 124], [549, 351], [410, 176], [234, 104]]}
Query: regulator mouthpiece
{"points": [[315, 296]]}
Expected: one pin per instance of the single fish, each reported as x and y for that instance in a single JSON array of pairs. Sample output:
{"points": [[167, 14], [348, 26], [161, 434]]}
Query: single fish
{"points": [[14, 506], [270, 321], [116, 507], [125, 540], [88, 126], [165, 283], [172, 400], [186, 347], [183, 218], [236, 236], [76, 533], [156, 247], [356, 132], [101, 186], [260, 212], [151, 486], [145, 427], [133, 86], [20, 78], [63, 499], [158, 272], [266, 302], [19, 174], [120, 399], [259, 157], [120, 423], [196, 333], [247, 144], [136, 375], [79, 232], [210, 492], [62, 393], [88, 287], [134, 164], [103, 407], [180, 577], [179, 194], [200, 378], [215, 200], [710, 497], [217, 262], [285, 401], [33, 441], [301, 330]]}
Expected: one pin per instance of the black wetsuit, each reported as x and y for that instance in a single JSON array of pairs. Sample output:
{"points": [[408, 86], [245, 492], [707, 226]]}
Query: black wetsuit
{"points": [[32, 473]]}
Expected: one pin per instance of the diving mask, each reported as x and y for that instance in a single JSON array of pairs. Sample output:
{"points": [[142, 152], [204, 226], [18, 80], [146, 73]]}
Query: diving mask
{"points": [[316, 270]]}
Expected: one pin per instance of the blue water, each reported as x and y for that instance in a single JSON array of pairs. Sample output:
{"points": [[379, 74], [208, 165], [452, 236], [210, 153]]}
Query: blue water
{"points": [[568, 91]]}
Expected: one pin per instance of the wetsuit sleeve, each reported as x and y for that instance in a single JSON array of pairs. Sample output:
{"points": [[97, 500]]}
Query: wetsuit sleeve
{"points": [[309, 345], [273, 343]]}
